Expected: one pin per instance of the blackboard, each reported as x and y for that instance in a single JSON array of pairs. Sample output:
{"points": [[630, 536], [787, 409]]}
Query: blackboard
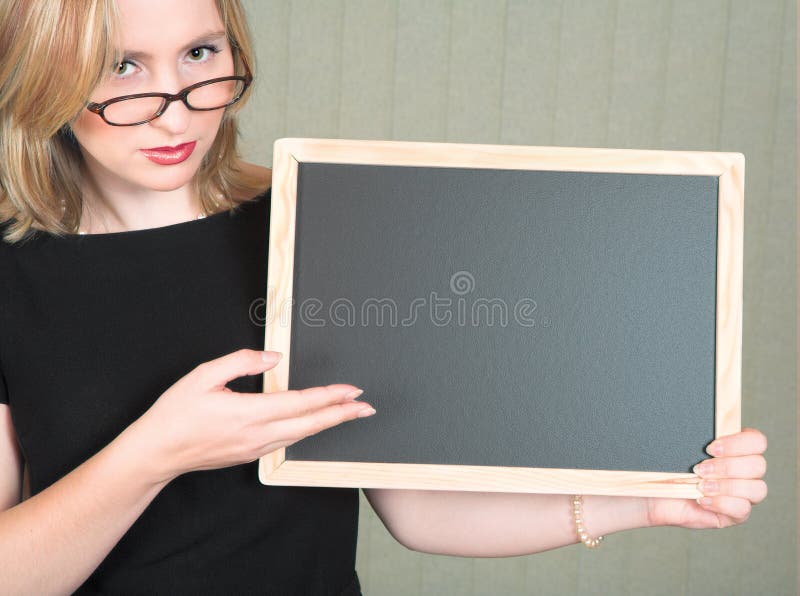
{"points": [[522, 318]]}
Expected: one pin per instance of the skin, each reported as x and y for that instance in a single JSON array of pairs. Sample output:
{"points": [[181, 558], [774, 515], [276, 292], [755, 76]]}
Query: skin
{"points": [[732, 481], [475, 524], [125, 191]]}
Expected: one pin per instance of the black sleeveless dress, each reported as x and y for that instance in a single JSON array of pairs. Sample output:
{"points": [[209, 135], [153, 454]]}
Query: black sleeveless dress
{"points": [[93, 329]]}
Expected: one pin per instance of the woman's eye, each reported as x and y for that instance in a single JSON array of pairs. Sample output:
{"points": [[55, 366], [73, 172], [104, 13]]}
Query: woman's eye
{"points": [[120, 69], [197, 54]]}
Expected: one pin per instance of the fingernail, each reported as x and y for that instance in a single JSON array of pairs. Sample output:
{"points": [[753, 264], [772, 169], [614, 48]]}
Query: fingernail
{"points": [[705, 501], [715, 448], [366, 412], [354, 394], [703, 469], [270, 356], [709, 487]]}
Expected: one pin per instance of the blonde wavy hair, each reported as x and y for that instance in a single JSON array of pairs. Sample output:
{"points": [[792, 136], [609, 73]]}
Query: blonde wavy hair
{"points": [[53, 53]]}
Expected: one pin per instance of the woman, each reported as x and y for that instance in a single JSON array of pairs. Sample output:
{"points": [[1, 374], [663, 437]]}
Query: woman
{"points": [[134, 244]]}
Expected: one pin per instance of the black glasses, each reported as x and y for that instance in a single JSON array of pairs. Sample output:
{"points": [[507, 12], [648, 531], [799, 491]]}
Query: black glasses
{"points": [[213, 94]]}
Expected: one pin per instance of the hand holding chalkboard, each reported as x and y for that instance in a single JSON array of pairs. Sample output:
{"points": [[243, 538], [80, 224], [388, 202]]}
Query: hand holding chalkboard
{"points": [[731, 484]]}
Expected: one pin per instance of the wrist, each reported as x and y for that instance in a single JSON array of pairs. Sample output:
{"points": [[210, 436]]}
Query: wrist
{"points": [[603, 515], [660, 511], [139, 452], [651, 520]]}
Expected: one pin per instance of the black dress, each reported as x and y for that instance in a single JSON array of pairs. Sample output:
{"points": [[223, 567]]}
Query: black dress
{"points": [[93, 329]]}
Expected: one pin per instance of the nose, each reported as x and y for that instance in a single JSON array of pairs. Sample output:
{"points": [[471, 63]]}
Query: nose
{"points": [[175, 118]]}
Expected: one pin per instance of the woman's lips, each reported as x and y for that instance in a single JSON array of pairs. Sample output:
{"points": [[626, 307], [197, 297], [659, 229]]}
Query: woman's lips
{"points": [[169, 155]]}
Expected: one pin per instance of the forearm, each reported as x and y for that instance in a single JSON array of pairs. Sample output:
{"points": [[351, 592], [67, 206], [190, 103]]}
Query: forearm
{"points": [[51, 542], [471, 524]]}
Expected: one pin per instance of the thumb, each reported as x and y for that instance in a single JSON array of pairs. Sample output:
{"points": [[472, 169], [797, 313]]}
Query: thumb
{"points": [[216, 373]]}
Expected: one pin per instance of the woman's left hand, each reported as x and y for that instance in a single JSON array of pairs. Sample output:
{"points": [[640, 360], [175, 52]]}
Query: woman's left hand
{"points": [[731, 480]]}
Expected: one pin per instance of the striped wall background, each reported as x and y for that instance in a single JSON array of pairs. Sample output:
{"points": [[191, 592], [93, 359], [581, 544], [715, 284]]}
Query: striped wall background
{"points": [[647, 74]]}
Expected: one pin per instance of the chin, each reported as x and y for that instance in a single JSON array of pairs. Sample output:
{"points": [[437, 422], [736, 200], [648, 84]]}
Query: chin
{"points": [[165, 188], [171, 179]]}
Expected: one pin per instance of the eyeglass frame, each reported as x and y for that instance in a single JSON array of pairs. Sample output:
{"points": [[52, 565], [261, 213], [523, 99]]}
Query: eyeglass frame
{"points": [[99, 108]]}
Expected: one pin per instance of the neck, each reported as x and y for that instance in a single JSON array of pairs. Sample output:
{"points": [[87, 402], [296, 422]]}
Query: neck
{"points": [[104, 214]]}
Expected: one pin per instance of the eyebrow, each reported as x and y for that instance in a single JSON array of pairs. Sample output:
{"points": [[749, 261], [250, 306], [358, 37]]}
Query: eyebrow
{"points": [[200, 40]]}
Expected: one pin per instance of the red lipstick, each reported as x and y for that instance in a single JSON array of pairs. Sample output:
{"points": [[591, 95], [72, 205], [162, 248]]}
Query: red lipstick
{"points": [[169, 155]]}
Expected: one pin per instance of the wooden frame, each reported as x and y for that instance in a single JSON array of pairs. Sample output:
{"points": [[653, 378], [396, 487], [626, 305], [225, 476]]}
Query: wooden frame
{"points": [[274, 469]]}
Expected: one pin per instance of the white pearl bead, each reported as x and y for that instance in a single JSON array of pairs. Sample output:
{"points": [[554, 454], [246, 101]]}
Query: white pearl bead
{"points": [[581, 531]]}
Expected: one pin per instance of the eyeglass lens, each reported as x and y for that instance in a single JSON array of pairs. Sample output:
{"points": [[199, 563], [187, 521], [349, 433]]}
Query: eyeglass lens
{"points": [[211, 96]]}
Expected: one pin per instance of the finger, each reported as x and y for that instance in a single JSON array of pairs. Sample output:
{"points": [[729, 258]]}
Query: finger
{"points": [[748, 441], [745, 466], [754, 491], [733, 507], [294, 403], [216, 373], [305, 426]]}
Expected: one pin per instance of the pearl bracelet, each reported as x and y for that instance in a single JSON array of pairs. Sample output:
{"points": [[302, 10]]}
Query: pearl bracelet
{"points": [[577, 503]]}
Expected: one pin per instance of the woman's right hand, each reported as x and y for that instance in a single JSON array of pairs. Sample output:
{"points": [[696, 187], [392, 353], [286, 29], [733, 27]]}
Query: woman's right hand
{"points": [[199, 424]]}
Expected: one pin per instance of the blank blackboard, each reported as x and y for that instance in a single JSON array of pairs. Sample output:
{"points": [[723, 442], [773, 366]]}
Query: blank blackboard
{"points": [[544, 323]]}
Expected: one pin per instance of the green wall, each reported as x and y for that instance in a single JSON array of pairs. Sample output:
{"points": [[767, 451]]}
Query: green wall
{"points": [[709, 75]]}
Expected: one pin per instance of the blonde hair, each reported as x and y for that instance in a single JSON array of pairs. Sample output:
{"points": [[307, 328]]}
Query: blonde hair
{"points": [[40, 96]]}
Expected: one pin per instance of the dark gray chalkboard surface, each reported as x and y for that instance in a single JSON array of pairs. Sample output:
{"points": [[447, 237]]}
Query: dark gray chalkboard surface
{"points": [[507, 317]]}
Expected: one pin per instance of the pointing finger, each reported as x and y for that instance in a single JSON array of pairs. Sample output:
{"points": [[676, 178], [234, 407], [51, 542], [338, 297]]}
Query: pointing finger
{"points": [[304, 426], [293, 403]]}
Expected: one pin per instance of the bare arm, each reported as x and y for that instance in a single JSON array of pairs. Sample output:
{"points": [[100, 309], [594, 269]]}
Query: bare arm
{"points": [[474, 524], [53, 541], [72, 525]]}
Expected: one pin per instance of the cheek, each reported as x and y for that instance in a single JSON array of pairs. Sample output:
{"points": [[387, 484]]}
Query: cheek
{"points": [[205, 127], [212, 121], [97, 137]]}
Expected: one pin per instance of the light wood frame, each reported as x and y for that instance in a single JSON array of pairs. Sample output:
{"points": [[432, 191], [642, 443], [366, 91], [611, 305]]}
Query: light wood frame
{"points": [[274, 469]]}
